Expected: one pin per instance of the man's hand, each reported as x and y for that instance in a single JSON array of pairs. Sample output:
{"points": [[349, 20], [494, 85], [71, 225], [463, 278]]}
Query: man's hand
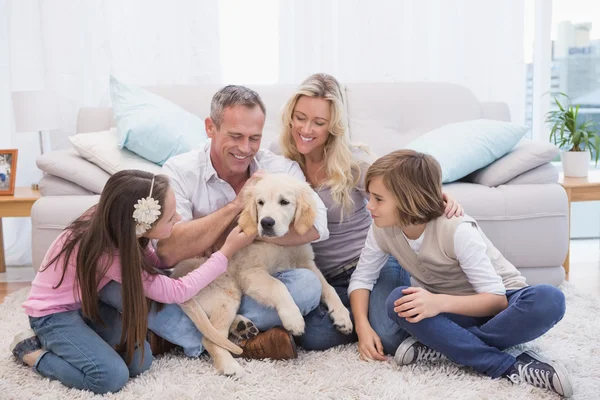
{"points": [[369, 344], [417, 304], [240, 199]]}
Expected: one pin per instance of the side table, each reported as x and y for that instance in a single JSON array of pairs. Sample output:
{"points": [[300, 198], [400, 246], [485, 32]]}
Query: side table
{"points": [[579, 189], [18, 205]]}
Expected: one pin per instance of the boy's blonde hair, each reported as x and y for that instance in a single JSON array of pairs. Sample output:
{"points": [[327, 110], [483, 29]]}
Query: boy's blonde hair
{"points": [[415, 181], [342, 171]]}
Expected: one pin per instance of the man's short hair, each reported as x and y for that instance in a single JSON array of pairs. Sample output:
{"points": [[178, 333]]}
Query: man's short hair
{"points": [[230, 96]]}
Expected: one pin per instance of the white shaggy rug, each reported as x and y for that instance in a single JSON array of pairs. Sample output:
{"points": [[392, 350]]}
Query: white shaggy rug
{"points": [[333, 374]]}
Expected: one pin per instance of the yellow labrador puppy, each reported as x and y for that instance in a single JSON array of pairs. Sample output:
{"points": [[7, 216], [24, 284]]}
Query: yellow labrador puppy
{"points": [[274, 202]]}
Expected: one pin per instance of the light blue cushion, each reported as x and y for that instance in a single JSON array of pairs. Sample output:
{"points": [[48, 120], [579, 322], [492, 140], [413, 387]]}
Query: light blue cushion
{"points": [[464, 147], [152, 126]]}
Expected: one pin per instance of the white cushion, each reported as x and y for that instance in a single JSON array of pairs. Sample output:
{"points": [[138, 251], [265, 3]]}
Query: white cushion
{"points": [[67, 164], [525, 156], [101, 148]]}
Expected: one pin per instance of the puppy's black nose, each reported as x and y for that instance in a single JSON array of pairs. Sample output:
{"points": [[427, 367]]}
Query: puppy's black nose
{"points": [[267, 223]]}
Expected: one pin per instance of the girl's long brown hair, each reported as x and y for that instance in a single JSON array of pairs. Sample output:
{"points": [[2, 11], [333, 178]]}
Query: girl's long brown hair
{"points": [[105, 231]]}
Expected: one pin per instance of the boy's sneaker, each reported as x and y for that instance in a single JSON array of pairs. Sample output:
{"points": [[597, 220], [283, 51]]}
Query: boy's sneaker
{"points": [[24, 343], [411, 350], [533, 369]]}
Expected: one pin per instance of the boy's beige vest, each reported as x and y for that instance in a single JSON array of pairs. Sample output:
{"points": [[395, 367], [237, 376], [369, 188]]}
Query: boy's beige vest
{"points": [[436, 268]]}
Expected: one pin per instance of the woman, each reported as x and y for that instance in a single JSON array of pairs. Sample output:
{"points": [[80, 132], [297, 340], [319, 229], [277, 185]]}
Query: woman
{"points": [[315, 135]]}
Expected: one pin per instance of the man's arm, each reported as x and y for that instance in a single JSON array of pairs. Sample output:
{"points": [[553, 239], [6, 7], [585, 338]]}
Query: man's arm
{"points": [[293, 238], [190, 238]]}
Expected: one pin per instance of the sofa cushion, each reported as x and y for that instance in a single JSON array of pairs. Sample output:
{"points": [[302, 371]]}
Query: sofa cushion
{"points": [[67, 164], [525, 156], [463, 147], [51, 185], [152, 126], [101, 148], [545, 173]]}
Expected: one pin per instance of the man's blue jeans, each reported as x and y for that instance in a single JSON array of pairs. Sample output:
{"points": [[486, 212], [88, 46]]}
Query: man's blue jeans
{"points": [[478, 342], [80, 353], [320, 332], [172, 324]]}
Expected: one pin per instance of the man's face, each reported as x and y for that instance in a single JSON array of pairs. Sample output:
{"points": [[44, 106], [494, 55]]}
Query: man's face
{"points": [[237, 140]]}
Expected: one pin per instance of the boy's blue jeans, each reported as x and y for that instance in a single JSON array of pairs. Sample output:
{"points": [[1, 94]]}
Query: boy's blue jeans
{"points": [[320, 332], [172, 324], [80, 353], [478, 342]]}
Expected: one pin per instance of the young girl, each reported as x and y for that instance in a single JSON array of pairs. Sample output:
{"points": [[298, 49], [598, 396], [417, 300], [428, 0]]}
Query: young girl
{"points": [[81, 341], [471, 302]]}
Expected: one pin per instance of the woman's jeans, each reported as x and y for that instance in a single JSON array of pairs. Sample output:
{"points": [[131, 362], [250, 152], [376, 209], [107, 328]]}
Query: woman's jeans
{"points": [[321, 334], [80, 353], [172, 324], [478, 342]]}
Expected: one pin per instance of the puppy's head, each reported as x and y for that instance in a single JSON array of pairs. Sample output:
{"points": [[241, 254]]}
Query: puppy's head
{"points": [[275, 202]]}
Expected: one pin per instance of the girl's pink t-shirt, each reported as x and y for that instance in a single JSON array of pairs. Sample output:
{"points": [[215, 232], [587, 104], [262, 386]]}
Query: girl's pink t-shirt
{"points": [[45, 300]]}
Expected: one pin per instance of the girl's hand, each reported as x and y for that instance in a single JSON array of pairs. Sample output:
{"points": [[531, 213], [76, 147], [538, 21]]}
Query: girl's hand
{"points": [[453, 207], [369, 344], [417, 304], [236, 240]]}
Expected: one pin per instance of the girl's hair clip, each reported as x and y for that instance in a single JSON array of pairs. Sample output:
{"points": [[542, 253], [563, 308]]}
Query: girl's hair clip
{"points": [[146, 212]]}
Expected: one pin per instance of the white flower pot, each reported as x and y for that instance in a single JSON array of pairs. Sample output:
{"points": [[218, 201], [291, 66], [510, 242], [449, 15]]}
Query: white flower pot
{"points": [[575, 163]]}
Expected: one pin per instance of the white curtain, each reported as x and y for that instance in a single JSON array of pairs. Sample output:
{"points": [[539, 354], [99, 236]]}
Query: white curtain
{"points": [[70, 47], [474, 43]]}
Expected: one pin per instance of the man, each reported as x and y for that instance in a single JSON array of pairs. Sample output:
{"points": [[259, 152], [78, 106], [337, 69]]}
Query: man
{"points": [[208, 187]]}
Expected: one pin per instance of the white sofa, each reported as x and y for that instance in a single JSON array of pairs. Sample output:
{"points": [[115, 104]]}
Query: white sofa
{"points": [[526, 218]]}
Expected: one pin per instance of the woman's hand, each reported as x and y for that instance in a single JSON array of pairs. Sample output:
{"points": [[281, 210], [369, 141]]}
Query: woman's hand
{"points": [[453, 207], [417, 304], [369, 344]]}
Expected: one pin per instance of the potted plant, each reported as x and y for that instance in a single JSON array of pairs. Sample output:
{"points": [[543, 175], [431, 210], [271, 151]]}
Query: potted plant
{"points": [[578, 140]]}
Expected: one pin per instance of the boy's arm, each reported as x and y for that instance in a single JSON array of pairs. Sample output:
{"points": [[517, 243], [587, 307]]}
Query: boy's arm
{"points": [[372, 259], [471, 253], [477, 305]]}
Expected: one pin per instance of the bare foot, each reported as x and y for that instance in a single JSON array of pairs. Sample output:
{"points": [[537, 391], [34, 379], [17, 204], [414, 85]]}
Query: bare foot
{"points": [[32, 357]]}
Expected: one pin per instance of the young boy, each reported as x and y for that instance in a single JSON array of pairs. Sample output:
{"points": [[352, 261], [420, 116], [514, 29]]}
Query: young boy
{"points": [[471, 302]]}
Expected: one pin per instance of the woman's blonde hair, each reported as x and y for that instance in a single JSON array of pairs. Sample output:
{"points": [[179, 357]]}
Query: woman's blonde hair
{"points": [[342, 171], [415, 181]]}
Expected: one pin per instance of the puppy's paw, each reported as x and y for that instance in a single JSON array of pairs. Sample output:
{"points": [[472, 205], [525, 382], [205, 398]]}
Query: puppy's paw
{"points": [[243, 328], [341, 320], [232, 368], [293, 322]]}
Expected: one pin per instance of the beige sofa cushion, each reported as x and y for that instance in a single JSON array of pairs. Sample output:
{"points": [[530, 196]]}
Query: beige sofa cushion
{"points": [[51, 185], [525, 156], [67, 164]]}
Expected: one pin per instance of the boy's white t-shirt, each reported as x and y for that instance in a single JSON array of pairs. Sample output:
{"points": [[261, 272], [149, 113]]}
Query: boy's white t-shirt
{"points": [[471, 253]]}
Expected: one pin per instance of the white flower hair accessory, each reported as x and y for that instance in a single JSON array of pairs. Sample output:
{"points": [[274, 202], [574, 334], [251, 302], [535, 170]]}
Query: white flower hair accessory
{"points": [[146, 212]]}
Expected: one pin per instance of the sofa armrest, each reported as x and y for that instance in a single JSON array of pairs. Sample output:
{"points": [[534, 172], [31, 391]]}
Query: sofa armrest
{"points": [[525, 156], [49, 216]]}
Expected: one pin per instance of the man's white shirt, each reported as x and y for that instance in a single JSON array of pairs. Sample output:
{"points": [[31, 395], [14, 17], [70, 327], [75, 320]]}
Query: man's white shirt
{"points": [[200, 192]]}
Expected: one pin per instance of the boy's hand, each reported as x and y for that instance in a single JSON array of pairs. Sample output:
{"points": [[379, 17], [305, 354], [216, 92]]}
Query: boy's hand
{"points": [[369, 344], [417, 304]]}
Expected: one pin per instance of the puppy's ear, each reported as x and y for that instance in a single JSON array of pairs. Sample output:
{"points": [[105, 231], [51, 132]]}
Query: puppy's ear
{"points": [[248, 219], [305, 215]]}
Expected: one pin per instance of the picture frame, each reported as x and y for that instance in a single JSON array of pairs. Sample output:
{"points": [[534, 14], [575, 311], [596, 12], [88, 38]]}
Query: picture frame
{"points": [[8, 171]]}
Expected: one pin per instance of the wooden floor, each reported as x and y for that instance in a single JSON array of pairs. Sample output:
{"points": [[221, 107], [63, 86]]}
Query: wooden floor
{"points": [[585, 270], [7, 288]]}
